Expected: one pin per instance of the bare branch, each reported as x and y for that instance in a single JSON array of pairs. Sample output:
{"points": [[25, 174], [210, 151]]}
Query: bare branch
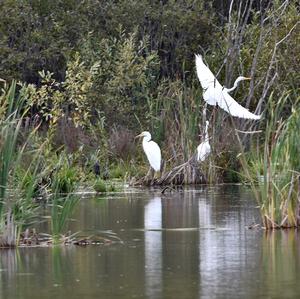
{"points": [[290, 32], [248, 132]]}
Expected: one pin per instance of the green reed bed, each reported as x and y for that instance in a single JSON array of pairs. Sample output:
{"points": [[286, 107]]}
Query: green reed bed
{"points": [[16, 206], [273, 168], [61, 200], [24, 173]]}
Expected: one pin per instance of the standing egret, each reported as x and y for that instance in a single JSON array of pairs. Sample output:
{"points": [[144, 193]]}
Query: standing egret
{"points": [[151, 150], [203, 149], [214, 94]]}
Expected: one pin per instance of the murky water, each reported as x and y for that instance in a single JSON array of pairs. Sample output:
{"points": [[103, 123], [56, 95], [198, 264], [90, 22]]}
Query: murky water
{"points": [[188, 244]]}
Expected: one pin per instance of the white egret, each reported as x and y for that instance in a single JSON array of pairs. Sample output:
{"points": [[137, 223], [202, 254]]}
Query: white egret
{"points": [[151, 150], [204, 149], [215, 94]]}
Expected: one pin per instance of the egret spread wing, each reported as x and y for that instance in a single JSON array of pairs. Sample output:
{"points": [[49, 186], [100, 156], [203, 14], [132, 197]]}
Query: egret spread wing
{"points": [[215, 94], [153, 154], [205, 76], [227, 103], [208, 81]]}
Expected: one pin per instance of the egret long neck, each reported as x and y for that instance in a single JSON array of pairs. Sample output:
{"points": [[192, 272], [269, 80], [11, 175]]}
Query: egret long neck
{"points": [[236, 82], [206, 138]]}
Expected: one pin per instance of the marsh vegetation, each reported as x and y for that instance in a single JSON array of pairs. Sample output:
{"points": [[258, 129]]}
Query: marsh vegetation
{"points": [[80, 79]]}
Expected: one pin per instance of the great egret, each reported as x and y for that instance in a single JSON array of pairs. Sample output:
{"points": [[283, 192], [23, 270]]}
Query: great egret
{"points": [[203, 149], [214, 94], [151, 150]]}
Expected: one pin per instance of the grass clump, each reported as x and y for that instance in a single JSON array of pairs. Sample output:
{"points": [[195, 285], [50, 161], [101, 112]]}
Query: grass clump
{"points": [[100, 186]]}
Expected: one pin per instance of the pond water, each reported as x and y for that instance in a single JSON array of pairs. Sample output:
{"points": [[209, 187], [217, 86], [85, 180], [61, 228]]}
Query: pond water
{"points": [[193, 243]]}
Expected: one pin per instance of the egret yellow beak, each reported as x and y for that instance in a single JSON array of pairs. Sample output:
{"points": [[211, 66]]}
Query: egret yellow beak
{"points": [[247, 78], [140, 135]]}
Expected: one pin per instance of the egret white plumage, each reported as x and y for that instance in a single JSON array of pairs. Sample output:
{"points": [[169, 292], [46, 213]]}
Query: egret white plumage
{"points": [[151, 150], [204, 149], [215, 94]]}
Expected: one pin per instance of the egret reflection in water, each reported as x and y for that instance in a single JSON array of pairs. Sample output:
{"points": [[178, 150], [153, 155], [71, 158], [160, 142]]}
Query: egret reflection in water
{"points": [[153, 246]]}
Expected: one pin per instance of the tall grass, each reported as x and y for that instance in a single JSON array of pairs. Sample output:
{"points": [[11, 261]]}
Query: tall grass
{"points": [[273, 168], [9, 129], [62, 208], [16, 205], [177, 120], [10, 124], [62, 202], [174, 117]]}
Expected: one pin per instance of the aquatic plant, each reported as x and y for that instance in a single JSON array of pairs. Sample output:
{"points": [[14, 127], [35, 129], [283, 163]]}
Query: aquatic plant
{"points": [[61, 210], [10, 126], [274, 173], [16, 205]]}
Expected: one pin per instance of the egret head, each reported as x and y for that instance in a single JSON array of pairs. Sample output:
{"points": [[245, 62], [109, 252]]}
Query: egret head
{"points": [[238, 79], [241, 78], [145, 134]]}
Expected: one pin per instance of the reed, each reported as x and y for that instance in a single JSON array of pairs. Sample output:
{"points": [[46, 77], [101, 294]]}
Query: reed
{"points": [[174, 119], [17, 208], [61, 201], [177, 120], [273, 169], [9, 130], [62, 208]]}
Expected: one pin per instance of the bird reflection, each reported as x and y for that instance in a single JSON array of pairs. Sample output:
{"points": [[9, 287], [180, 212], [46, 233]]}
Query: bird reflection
{"points": [[153, 246]]}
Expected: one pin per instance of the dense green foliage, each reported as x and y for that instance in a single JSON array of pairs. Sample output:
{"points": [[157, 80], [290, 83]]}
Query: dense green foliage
{"points": [[92, 74], [92, 68]]}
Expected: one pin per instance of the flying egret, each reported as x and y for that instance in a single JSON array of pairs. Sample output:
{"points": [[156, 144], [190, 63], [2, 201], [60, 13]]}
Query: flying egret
{"points": [[203, 149], [214, 94], [151, 150]]}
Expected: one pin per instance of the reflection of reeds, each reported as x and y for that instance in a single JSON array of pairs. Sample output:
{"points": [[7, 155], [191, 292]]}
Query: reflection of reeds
{"points": [[280, 256], [272, 170]]}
